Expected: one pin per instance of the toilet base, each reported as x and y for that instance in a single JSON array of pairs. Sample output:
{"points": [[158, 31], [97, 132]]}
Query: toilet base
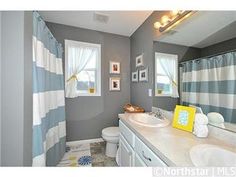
{"points": [[111, 149]]}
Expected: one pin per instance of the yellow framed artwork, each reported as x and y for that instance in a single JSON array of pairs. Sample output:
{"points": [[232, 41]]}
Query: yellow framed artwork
{"points": [[184, 118]]}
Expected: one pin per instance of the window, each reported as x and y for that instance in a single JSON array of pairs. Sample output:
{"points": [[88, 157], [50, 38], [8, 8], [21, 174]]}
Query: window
{"points": [[84, 61], [166, 73]]}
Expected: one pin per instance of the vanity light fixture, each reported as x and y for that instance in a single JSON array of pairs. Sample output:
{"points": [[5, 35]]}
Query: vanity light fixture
{"points": [[169, 21]]}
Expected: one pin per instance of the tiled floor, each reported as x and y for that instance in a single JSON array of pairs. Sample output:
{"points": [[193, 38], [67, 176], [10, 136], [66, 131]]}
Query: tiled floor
{"points": [[94, 151], [99, 159]]}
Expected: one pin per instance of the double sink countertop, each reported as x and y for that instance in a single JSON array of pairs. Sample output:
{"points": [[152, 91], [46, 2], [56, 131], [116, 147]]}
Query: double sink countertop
{"points": [[170, 144]]}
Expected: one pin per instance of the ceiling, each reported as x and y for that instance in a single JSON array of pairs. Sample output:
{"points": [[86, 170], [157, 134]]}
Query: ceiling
{"points": [[119, 22], [203, 29]]}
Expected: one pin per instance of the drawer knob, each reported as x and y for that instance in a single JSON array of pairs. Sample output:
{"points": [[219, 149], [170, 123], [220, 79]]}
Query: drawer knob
{"points": [[145, 157]]}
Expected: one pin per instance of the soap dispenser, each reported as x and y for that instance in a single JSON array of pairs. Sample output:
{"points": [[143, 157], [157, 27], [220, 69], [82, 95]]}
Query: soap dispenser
{"points": [[200, 125]]}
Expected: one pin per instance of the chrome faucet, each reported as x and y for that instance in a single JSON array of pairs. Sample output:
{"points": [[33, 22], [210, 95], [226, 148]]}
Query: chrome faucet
{"points": [[158, 114]]}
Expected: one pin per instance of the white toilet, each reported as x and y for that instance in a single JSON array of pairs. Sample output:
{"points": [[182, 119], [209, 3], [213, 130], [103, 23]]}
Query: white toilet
{"points": [[111, 136]]}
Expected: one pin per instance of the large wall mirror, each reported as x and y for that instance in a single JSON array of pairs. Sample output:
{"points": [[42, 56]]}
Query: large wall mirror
{"points": [[195, 64]]}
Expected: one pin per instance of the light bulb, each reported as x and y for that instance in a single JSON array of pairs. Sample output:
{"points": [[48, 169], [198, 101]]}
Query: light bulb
{"points": [[165, 19], [157, 25], [174, 12]]}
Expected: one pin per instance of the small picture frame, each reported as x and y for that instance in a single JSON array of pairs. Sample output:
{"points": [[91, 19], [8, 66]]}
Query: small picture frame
{"points": [[114, 67], [135, 76], [143, 75], [114, 84], [139, 60], [184, 118]]}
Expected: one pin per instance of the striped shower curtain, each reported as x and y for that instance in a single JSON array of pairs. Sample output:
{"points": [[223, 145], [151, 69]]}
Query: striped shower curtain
{"points": [[210, 83], [48, 96]]}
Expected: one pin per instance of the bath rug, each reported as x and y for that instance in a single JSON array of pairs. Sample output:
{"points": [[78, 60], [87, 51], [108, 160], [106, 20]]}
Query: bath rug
{"points": [[85, 160]]}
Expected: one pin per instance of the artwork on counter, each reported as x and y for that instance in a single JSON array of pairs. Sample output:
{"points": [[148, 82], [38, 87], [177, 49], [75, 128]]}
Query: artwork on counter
{"points": [[143, 75], [114, 67], [114, 84], [184, 118], [135, 76], [139, 60]]}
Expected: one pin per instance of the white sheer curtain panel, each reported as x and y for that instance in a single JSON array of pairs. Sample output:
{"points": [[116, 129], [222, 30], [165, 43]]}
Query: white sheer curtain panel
{"points": [[169, 67], [77, 59]]}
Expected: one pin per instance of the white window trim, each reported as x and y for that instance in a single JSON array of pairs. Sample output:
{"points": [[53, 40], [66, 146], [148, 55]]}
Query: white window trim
{"points": [[156, 73], [78, 43]]}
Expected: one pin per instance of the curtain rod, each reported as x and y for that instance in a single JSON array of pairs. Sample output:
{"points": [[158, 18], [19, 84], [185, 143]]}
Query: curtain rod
{"points": [[209, 56]]}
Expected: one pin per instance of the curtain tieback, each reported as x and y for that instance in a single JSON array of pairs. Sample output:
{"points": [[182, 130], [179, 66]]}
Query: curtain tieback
{"points": [[72, 78], [174, 83]]}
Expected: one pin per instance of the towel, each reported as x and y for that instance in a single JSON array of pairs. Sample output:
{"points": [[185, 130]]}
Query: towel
{"points": [[200, 131], [215, 118], [201, 119], [200, 125]]}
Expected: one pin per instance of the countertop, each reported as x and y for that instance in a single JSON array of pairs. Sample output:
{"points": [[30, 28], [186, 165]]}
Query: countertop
{"points": [[170, 144]]}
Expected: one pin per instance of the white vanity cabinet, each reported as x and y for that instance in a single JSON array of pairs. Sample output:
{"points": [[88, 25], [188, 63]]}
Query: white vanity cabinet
{"points": [[133, 152], [146, 154], [126, 145], [126, 153], [138, 162]]}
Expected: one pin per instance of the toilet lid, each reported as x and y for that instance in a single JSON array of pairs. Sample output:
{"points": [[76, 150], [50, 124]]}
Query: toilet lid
{"points": [[111, 131]]}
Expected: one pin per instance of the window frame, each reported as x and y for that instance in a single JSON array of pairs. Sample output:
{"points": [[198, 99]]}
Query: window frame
{"points": [[97, 70], [172, 57]]}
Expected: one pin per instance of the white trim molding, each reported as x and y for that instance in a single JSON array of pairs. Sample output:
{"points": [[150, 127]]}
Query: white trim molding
{"points": [[88, 141]]}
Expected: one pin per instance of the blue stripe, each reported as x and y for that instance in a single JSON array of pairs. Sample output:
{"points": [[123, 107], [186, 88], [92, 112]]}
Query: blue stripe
{"points": [[37, 142], [220, 87], [55, 153], [52, 119], [223, 60], [46, 81], [43, 34], [228, 114]]}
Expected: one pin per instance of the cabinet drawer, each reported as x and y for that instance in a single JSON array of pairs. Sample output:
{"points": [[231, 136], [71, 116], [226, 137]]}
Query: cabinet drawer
{"points": [[138, 161], [127, 134], [146, 154]]}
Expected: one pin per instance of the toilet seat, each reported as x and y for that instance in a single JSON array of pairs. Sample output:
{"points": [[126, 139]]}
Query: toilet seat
{"points": [[111, 132]]}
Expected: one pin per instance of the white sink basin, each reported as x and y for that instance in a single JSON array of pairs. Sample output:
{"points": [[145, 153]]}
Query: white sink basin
{"points": [[206, 155], [149, 120]]}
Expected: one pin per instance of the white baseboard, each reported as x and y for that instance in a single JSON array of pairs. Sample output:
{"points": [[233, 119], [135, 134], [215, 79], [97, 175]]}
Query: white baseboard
{"points": [[96, 140]]}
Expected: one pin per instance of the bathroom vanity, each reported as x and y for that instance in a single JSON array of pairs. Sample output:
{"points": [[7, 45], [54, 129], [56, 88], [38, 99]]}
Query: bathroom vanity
{"points": [[133, 152], [142, 145]]}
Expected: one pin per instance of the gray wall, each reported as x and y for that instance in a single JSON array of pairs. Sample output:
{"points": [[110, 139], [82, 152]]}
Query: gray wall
{"points": [[87, 116], [184, 53], [16, 88], [218, 48], [0, 88], [142, 42], [28, 90]]}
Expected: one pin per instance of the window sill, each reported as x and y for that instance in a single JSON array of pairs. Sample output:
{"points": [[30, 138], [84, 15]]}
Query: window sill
{"points": [[163, 95], [88, 94]]}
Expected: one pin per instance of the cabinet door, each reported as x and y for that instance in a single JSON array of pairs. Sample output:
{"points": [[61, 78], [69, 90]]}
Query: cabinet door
{"points": [[138, 161], [146, 154], [126, 153]]}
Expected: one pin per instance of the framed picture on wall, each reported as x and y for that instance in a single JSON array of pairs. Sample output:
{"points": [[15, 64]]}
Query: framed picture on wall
{"points": [[139, 60], [114, 84], [143, 75], [135, 76], [114, 67]]}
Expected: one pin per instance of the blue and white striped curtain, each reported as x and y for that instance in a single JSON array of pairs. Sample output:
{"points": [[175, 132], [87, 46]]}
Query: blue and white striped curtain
{"points": [[48, 97], [210, 83]]}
